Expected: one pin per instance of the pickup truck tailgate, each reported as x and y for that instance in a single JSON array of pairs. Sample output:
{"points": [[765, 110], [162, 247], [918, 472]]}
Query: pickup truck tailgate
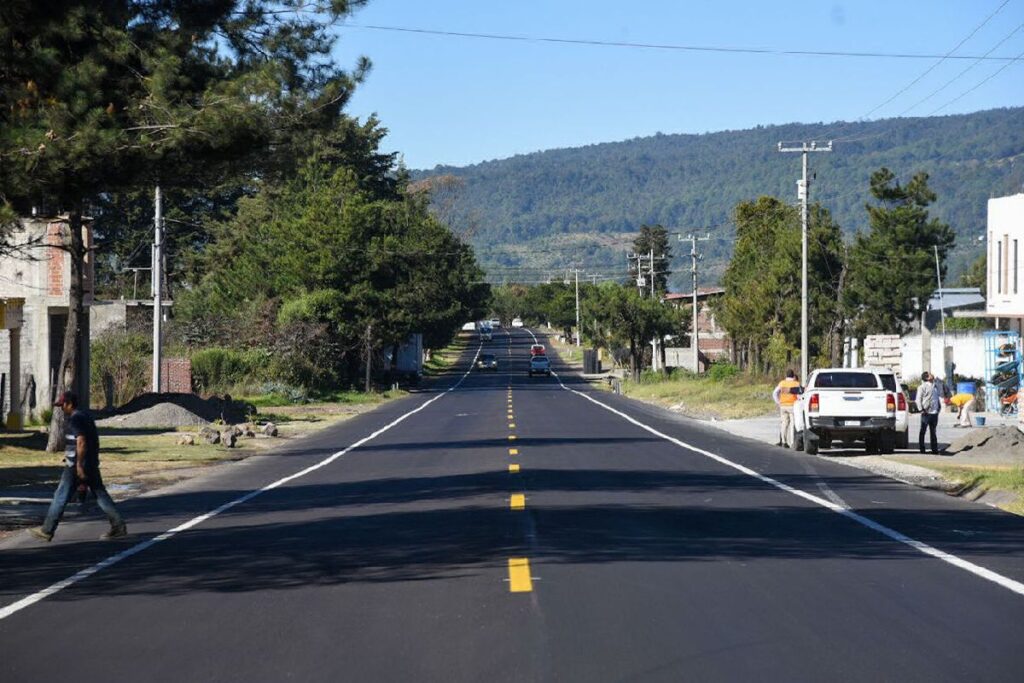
{"points": [[852, 402]]}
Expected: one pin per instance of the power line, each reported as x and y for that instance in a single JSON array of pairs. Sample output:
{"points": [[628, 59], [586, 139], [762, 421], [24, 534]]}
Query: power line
{"points": [[964, 71], [668, 46], [978, 85], [942, 59]]}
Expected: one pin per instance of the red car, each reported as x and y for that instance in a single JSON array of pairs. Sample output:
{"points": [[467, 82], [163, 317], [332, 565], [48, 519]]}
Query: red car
{"points": [[537, 350]]}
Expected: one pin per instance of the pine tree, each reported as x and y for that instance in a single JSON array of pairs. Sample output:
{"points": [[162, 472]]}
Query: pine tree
{"points": [[891, 272], [99, 97]]}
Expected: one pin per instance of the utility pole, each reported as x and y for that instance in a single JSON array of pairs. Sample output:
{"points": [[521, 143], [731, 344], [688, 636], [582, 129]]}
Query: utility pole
{"points": [[157, 286], [942, 316], [694, 257], [577, 272], [802, 193], [641, 282]]}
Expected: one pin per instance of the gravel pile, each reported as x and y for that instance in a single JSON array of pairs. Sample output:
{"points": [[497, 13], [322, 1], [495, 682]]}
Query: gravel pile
{"points": [[1002, 440], [208, 409], [161, 415]]}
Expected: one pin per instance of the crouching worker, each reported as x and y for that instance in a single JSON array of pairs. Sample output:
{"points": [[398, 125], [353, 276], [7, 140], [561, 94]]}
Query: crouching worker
{"points": [[964, 402], [81, 466], [785, 398]]}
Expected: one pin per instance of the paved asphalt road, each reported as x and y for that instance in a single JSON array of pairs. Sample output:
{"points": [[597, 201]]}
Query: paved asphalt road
{"points": [[634, 558]]}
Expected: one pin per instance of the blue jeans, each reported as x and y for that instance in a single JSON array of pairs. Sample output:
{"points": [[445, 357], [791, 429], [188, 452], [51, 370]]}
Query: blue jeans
{"points": [[66, 489], [929, 421]]}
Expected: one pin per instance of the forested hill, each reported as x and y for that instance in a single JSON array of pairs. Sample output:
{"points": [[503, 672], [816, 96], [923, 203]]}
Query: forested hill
{"points": [[578, 206]]}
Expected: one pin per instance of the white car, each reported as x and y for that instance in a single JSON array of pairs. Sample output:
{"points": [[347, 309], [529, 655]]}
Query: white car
{"points": [[517, 322], [891, 381], [845, 404], [540, 365], [494, 322]]}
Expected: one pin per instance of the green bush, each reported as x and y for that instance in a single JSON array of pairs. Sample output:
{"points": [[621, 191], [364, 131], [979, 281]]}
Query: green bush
{"points": [[126, 359], [719, 372], [217, 369]]}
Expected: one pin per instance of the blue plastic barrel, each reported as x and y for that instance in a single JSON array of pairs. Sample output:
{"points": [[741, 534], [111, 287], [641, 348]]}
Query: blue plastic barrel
{"points": [[965, 387]]}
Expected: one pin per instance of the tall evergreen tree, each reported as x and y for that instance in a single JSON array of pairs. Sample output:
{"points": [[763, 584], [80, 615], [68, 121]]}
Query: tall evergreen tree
{"points": [[892, 267], [98, 97]]}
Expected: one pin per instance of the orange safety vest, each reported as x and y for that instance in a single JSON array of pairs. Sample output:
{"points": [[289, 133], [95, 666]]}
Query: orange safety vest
{"points": [[786, 399]]}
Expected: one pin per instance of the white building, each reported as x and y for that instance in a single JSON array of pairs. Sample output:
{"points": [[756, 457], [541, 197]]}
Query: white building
{"points": [[1005, 259]]}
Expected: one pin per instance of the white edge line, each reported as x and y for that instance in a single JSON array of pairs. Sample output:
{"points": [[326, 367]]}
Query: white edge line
{"points": [[977, 570], [55, 588]]}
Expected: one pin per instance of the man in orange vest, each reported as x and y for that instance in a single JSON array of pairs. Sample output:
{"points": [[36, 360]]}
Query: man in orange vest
{"points": [[784, 399]]}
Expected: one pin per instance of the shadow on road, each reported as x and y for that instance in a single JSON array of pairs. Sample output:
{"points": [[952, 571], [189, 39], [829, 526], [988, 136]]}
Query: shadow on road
{"points": [[415, 529]]}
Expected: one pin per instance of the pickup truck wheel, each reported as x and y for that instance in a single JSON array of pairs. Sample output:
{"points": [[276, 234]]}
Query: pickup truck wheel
{"points": [[887, 442], [903, 439], [811, 444], [797, 441], [871, 444]]}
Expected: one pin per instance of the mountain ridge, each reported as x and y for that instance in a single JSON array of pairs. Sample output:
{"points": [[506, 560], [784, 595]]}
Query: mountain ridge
{"points": [[514, 207]]}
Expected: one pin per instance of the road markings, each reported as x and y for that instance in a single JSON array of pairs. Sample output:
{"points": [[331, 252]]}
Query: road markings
{"points": [[511, 425], [513, 451], [976, 569], [55, 588], [511, 437], [519, 579], [514, 468], [517, 501]]}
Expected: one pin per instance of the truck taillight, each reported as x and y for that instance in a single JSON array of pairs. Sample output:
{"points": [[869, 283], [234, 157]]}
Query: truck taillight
{"points": [[890, 403], [901, 402], [814, 403]]}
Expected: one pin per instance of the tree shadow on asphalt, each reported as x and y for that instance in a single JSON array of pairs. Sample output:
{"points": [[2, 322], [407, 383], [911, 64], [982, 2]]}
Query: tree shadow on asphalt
{"points": [[430, 528]]}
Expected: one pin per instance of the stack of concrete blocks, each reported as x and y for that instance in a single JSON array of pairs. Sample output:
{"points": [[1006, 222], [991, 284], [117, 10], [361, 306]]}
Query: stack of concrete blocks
{"points": [[883, 351]]}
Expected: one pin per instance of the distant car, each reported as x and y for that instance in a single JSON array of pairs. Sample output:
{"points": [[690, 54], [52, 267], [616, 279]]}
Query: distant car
{"points": [[487, 361], [537, 350], [494, 322], [469, 327], [540, 365], [517, 322], [485, 334]]}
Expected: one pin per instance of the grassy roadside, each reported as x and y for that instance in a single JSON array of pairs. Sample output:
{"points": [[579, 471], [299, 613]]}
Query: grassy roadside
{"points": [[975, 481], [727, 399], [147, 459], [442, 360]]}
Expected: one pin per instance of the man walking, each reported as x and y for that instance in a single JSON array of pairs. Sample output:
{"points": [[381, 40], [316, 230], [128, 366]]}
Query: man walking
{"points": [[929, 403], [81, 466], [784, 399]]}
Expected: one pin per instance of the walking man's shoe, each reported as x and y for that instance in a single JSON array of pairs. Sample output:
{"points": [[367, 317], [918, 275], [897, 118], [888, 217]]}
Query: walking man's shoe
{"points": [[115, 532], [38, 532]]}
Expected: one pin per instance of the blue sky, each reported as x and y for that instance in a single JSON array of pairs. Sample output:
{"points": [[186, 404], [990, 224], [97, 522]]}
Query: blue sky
{"points": [[453, 100]]}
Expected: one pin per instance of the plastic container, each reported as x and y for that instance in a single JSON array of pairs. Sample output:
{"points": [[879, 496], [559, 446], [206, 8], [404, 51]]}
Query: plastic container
{"points": [[979, 420], [965, 388]]}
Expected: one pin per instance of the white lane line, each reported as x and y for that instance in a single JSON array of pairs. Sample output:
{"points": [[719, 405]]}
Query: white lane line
{"points": [[52, 589], [979, 571]]}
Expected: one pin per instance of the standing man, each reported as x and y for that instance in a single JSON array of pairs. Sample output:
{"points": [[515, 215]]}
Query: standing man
{"points": [[929, 403], [784, 399], [81, 466]]}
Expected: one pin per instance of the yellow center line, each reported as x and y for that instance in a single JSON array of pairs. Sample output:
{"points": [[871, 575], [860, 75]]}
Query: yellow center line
{"points": [[519, 579], [511, 437], [514, 468], [511, 425], [513, 451], [517, 501]]}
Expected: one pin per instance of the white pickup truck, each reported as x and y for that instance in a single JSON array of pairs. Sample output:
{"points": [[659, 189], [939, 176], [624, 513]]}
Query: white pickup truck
{"points": [[845, 404]]}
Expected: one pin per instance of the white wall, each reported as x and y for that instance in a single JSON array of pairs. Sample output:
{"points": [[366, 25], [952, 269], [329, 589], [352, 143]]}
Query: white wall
{"points": [[1005, 238], [968, 353]]}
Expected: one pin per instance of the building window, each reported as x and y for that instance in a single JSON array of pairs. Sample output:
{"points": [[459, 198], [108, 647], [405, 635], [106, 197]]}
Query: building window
{"points": [[999, 268]]}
